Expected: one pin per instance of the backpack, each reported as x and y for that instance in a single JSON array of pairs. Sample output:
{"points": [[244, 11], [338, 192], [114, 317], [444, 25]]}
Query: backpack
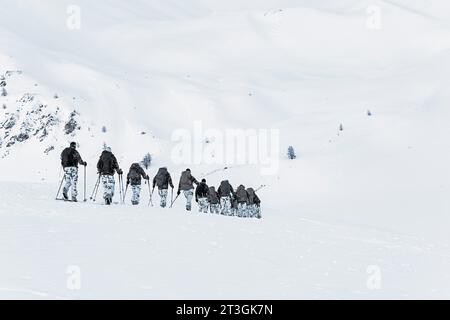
{"points": [[213, 198], [186, 181], [68, 158], [241, 194], [252, 197], [225, 188], [135, 174], [161, 177]]}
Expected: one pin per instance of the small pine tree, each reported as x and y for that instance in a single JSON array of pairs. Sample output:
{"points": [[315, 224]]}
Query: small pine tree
{"points": [[341, 127], [4, 92], [104, 130], [369, 113], [291, 153], [147, 161]]}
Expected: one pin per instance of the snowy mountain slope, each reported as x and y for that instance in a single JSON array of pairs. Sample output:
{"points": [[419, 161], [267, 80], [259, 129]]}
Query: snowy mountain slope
{"points": [[303, 67]]}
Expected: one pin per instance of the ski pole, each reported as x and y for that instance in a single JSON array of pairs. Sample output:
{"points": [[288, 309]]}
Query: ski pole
{"points": [[171, 196], [96, 186], [125, 194], [59, 190], [261, 187], [123, 191], [120, 188], [85, 184], [151, 194], [174, 200]]}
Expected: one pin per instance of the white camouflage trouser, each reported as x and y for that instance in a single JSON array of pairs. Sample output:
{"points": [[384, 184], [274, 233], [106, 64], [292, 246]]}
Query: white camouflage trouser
{"points": [[225, 202], [242, 210], [188, 194], [254, 211], [163, 195], [135, 194], [108, 187], [71, 179], [203, 205], [214, 208]]}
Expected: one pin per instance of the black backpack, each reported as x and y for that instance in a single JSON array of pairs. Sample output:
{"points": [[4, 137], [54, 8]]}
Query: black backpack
{"points": [[68, 158], [225, 188], [241, 194], [135, 175], [213, 198], [106, 163], [161, 177]]}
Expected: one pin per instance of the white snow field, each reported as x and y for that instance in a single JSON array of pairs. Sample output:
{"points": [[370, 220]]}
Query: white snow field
{"points": [[362, 213]]}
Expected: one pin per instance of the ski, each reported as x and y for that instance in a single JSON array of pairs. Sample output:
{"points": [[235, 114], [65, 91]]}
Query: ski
{"points": [[261, 187], [66, 200], [214, 171]]}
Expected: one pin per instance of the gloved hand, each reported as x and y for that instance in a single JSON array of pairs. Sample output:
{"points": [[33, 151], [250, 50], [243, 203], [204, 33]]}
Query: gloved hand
{"points": [[196, 200], [85, 163], [119, 171], [178, 192], [128, 182]]}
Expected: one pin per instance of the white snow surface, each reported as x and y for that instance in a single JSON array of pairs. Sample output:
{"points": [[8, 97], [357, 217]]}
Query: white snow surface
{"points": [[373, 197]]}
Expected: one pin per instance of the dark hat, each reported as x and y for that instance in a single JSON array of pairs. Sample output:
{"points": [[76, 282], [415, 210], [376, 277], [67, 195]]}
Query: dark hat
{"points": [[204, 180], [73, 144]]}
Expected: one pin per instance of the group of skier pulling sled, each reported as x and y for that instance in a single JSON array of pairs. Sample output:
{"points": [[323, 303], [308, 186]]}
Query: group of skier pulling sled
{"points": [[225, 200]]}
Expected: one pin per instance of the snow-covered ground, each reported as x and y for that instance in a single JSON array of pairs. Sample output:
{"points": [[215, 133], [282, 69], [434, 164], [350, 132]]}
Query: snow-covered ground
{"points": [[362, 213]]}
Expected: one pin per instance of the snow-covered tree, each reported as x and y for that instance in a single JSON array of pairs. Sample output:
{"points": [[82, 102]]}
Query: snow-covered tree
{"points": [[291, 153], [147, 161]]}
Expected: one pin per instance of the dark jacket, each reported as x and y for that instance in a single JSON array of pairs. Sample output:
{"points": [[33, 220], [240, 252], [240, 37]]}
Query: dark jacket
{"points": [[162, 179], [252, 197], [70, 158], [213, 196], [241, 194], [202, 191], [135, 174], [187, 181], [107, 164], [225, 189]]}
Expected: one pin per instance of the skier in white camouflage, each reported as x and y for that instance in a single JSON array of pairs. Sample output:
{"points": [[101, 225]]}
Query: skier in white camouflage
{"points": [[253, 204], [134, 179], [242, 199], [186, 185], [163, 180], [70, 159], [213, 200], [226, 194], [201, 196], [107, 166]]}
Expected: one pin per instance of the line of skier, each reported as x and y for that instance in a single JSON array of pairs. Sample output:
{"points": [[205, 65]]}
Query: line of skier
{"points": [[242, 202]]}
